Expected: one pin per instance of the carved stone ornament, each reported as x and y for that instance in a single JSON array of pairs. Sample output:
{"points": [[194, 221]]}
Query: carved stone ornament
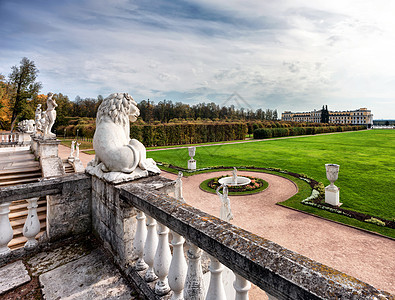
{"points": [[119, 158]]}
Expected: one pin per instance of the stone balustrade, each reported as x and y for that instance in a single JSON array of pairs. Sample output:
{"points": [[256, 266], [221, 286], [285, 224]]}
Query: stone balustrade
{"points": [[7, 138], [135, 221], [67, 214], [281, 273], [30, 229]]}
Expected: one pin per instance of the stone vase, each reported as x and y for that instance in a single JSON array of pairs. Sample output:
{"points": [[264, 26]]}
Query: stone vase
{"points": [[332, 172], [191, 151]]}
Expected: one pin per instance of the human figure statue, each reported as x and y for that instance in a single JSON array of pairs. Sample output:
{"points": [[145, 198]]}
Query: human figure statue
{"points": [[178, 188], [77, 153], [30, 126], [44, 123], [72, 149], [51, 112], [234, 175], [37, 118], [225, 212]]}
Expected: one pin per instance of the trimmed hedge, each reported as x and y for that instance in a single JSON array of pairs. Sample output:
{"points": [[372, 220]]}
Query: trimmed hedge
{"points": [[264, 133], [189, 133]]}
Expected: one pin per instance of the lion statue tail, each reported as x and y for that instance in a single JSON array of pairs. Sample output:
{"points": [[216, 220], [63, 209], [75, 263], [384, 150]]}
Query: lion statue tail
{"points": [[136, 161]]}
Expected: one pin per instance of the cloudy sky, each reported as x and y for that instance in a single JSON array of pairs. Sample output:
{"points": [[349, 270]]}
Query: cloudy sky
{"points": [[286, 55]]}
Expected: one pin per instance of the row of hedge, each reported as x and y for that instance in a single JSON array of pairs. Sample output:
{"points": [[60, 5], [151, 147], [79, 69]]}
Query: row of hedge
{"points": [[171, 133], [253, 125], [190, 133], [264, 133]]}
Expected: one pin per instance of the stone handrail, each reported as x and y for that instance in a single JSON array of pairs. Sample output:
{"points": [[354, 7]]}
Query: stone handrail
{"points": [[282, 273], [31, 192]]}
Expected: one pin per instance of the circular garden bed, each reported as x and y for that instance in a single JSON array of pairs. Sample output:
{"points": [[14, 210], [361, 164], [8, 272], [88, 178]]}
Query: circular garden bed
{"points": [[255, 186]]}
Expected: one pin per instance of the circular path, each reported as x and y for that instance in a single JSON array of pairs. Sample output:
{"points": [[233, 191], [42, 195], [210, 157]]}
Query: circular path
{"points": [[366, 256]]}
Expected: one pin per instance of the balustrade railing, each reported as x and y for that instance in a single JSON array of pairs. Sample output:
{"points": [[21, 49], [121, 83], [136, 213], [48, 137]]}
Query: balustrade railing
{"points": [[30, 229], [7, 138], [31, 192], [280, 273]]}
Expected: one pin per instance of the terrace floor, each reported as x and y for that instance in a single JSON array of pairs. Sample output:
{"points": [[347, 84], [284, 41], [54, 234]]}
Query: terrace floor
{"points": [[86, 269]]}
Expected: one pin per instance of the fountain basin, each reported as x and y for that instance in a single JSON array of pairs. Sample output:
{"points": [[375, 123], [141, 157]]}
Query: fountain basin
{"points": [[229, 181]]}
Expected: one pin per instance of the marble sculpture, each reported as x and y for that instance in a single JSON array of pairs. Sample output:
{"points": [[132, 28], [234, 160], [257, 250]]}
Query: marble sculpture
{"points": [[115, 151]]}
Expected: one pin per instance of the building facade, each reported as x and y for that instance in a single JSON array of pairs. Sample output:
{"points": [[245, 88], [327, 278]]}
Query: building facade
{"points": [[361, 116]]}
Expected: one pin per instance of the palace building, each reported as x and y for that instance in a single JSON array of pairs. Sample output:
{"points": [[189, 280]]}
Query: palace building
{"points": [[361, 116]]}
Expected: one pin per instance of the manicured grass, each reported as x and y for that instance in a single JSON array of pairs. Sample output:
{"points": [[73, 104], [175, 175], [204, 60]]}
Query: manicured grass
{"points": [[366, 160]]}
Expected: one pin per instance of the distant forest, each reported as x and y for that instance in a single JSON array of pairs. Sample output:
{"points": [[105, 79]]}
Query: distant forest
{"points": [[166, 111]]}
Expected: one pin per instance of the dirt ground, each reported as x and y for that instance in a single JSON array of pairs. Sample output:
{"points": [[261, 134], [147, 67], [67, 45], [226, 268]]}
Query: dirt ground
{"points": [[366, 256]]}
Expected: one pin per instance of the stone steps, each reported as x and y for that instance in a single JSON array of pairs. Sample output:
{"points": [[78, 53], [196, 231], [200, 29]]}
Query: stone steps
{"points": [[20, 167], [68, 168]]}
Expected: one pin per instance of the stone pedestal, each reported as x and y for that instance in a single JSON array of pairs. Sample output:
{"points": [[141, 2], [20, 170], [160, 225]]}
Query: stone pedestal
{"points": [[34, 145], [332, 195], [191, 164], [77, 165], [48, 148]]}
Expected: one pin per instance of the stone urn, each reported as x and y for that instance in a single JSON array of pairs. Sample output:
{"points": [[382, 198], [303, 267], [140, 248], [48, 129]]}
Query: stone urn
{"points": [[191, 162], [191, 151], [332, 194], [332, 172]]}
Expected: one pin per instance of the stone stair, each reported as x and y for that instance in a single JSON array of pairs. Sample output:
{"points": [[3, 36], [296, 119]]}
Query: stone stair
{"points": [[68, 168], [20, 167]]}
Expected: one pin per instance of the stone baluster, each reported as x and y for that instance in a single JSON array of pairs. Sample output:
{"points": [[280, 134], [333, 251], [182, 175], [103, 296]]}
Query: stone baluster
{"points": [[216, 290], [150, 246], [162, 261], [194, 286], [32, 224], [242, 286], [6, 233], [178, 267], [139, 241]]}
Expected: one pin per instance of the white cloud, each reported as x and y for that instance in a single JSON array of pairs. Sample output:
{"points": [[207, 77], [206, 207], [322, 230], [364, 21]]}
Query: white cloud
{"points": [[278, 54]]}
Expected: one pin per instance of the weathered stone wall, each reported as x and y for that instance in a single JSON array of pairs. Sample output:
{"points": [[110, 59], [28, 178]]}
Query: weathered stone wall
{"points": [[113, 222], [70, 213]]}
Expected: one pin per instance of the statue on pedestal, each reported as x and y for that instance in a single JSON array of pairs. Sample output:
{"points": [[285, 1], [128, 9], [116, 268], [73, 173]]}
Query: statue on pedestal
{"points": [[44, 123], [225, 212], [37, 118], [77, 151], [72, 149], [51, 113], [115, 151], [178, 188]]}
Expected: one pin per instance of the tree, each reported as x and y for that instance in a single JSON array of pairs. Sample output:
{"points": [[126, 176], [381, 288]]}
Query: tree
{"points": [[4, 104], [22, 81]]}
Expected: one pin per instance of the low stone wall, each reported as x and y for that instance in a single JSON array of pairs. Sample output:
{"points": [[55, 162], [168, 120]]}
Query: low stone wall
{"points": [[70, 213], [114, 220]]}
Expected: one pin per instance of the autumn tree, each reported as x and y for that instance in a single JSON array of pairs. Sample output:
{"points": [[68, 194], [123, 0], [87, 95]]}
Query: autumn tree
{"points": [[4, 104], [24, 86]]}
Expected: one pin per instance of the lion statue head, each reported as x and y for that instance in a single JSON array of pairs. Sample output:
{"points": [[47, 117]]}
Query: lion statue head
{"points": [[120, 108]]}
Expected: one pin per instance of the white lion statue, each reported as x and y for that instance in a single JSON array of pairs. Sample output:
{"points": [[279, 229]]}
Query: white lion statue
{"points": [[115, 151]]}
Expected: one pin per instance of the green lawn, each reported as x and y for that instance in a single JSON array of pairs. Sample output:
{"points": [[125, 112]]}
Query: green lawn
{"points": [[366, 160]]}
